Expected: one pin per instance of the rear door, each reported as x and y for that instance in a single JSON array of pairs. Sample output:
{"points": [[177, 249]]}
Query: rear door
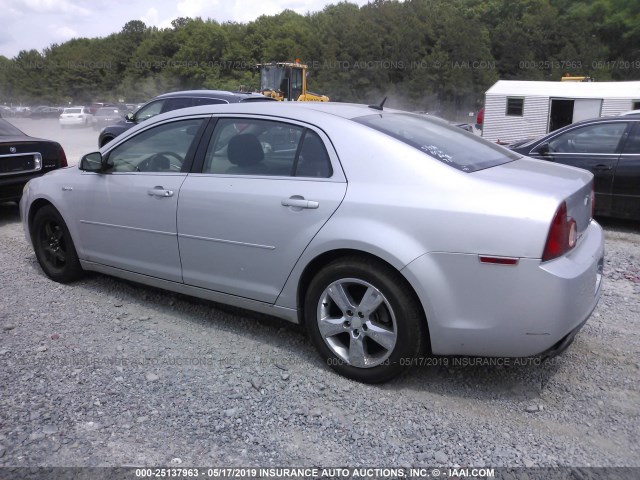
{"points": [[626, 182], [263, 190]]}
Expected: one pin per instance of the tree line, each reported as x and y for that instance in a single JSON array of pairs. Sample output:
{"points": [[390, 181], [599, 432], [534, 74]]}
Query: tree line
{"points": [[421, 53]]}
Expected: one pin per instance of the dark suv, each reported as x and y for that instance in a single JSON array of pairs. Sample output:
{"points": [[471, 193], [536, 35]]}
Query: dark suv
{"points": [[173, 101]]}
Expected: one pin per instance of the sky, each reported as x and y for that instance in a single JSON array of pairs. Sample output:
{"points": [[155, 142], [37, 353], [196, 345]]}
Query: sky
{"points": [[36, 24]]}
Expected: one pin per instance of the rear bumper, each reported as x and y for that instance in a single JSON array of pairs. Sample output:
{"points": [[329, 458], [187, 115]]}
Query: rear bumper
{"points": [[74, 121], [11, 186], [563, 343], [508, 311]]}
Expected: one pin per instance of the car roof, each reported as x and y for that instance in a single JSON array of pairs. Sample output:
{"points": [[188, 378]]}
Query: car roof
{"points": [[294, 110], [209, 94], [624, 118]]}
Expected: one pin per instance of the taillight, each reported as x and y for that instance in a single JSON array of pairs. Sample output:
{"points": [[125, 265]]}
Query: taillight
{"points": [[563, 235], [62, 158]]}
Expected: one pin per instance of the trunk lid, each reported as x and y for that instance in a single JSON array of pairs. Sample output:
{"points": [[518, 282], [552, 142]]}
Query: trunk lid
{"points": [[560, 182]]}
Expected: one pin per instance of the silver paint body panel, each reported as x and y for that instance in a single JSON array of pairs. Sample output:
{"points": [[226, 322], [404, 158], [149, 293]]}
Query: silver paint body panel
{"points": [[229, 238]]}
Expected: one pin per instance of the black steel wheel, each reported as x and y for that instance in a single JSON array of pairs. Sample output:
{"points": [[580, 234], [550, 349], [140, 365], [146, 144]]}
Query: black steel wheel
{"points": [[54, 247]]}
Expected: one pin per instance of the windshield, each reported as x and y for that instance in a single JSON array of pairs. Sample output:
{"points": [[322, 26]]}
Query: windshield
{"points": [[271, 77], [446, 143]]}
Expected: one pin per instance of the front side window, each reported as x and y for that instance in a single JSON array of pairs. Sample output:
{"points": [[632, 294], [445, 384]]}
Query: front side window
{"points": [[601, 138], [515, 107], [266, 148], [446, 143], [158, 149], [148, 111]]}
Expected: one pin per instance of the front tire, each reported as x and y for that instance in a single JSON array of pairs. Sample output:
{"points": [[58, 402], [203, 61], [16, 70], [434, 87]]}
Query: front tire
{"points": [[364, 319], [54, 247]]}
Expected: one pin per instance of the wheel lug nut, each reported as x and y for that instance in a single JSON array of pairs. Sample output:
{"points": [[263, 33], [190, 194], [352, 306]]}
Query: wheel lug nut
{"points": [[347, 324], [361, 315], [350, 313], [364, 328]]}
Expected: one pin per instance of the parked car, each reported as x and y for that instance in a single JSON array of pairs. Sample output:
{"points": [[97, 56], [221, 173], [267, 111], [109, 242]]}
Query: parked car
{"points": [[106, 116], [45, 112], [608, 147], [94, 107], [173, 101], [22, 158], [388, 234], [75, 117]]}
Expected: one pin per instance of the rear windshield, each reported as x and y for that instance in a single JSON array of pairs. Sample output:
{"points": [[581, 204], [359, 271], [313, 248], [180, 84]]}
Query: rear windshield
{"points": [[103, 112], [6, 129], [72, 110], [447, 143]]}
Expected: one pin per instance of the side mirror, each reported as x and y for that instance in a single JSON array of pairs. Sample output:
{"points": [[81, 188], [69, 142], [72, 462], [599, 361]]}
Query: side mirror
{"points": [[91, 162], [129, 117], [543, 149]]}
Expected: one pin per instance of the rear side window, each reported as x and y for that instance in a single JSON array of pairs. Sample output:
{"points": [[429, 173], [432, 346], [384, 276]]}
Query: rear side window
{"points": [[446, 143], [177, 103], [266, 148], [207, 101]]}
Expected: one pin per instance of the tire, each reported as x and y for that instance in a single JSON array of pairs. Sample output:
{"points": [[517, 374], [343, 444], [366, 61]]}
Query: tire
{"points": [[54, 247], [341, 294]]}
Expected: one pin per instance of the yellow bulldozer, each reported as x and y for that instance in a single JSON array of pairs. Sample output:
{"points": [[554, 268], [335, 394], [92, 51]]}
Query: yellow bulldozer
{"points": [[287, 81]]}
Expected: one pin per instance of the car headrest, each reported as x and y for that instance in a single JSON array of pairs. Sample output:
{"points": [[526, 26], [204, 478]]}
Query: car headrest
{"points": [[245, 149]]}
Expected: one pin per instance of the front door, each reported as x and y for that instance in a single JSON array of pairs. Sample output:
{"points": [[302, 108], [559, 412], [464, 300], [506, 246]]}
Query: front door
{"points": [[626, 183], [129, 218]]}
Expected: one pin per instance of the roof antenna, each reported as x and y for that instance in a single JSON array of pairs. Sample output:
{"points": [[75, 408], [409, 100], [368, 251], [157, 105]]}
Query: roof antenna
{"points": [[379, 107]]}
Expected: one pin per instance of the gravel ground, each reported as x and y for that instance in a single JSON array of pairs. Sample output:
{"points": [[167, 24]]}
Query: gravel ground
{"points": [[107, 373]]}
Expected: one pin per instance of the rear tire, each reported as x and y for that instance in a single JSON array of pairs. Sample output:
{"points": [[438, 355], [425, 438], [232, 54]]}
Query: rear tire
{"points": [[54, 247], [364, 319]]}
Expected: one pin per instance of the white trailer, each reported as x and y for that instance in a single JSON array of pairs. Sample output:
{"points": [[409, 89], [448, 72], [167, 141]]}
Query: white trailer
{"points": [[514, 110]]}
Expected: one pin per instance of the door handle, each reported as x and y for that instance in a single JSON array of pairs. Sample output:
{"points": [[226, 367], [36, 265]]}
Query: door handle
{"points": [[297, 201], [160, 192], [602, 168]]}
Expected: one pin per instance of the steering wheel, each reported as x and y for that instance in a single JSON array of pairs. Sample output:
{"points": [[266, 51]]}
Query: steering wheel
{"points": [[177, 166]]}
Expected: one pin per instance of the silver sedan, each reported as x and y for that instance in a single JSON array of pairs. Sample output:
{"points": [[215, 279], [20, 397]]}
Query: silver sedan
{"points": [[390, 235]]}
